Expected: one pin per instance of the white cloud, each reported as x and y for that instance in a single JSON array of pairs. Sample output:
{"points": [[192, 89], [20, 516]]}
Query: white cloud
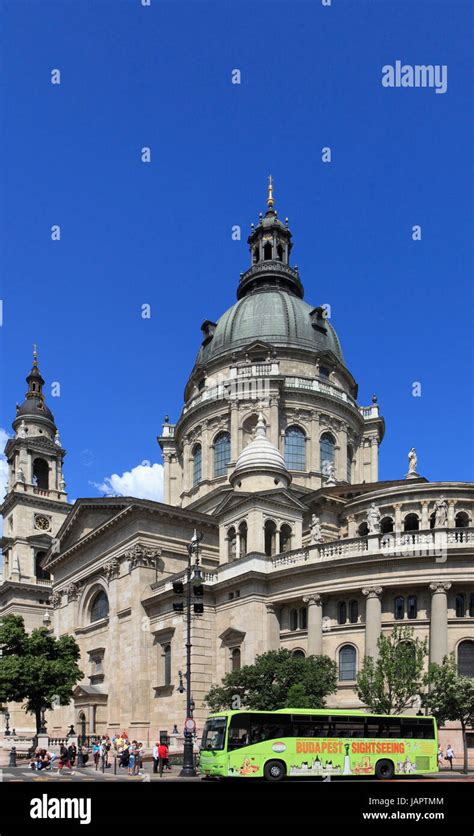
{"points": [[145, 481]]}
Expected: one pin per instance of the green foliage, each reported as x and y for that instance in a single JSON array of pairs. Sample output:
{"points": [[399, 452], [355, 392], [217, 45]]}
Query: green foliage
{"points": [[36, 668], [266, 685], [390, 684], [450, 697], [297, 697]]}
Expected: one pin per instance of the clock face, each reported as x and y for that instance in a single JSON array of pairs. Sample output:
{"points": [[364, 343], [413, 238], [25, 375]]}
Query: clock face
{"points": [[43, 523]]}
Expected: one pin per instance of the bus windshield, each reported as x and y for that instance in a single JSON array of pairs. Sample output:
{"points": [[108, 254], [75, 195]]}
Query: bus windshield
{"points": [[213, 736]]}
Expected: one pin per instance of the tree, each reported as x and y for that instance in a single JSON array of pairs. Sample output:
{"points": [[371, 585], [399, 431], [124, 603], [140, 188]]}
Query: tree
{"points": [[268, 683], [37, 667], [450, 697], [391, 683]]}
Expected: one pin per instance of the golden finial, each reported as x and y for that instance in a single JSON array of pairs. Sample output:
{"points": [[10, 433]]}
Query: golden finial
{"points": [[270, 200], [35, 355]]}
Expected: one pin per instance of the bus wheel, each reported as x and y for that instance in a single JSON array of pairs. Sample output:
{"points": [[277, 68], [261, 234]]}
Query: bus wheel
{"points": [[274, 771], [384, 770]]}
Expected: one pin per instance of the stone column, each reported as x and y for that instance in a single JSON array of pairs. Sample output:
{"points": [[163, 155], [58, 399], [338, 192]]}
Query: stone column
{"points": [[342, 464], [186, 466], [451, 518], [439, 620], [273, 627], [315, 624], [207, 453], [274, 421], [351, 526], [425, 520], [397, 523], [374, 459], [234, 431], [315, 463], [373, 619]]}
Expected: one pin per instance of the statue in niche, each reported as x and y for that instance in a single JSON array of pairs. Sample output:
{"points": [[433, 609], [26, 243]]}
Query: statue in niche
{"points": [[441, 512], [373, 519], [316, 532]]}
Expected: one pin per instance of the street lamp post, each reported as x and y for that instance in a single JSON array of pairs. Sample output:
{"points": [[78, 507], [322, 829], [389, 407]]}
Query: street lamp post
{"points": [[7, 727], [188, 770]]}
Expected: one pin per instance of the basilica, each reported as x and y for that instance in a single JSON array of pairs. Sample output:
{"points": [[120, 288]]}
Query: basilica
{"points": [[274, 462]]}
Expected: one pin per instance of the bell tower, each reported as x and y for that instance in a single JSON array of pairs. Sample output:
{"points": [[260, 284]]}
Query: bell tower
{"points": [[36, 503]]}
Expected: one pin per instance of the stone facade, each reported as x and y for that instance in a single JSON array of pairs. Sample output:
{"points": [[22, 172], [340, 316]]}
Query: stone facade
{"points": [[276, 464]]}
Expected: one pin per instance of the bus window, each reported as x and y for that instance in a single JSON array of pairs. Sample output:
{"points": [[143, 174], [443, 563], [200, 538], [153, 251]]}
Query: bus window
{"points": [[269, 727], [348, 727], [311, 726], [426, 728], [239, 730], [213, 735]]}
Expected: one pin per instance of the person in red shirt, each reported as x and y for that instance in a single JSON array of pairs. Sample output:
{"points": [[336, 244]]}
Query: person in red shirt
{"points": [[163, 756]]}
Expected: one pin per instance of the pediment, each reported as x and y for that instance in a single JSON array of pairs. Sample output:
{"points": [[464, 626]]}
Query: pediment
{"points": [[232, 636], [279, 497], [86, 516]]}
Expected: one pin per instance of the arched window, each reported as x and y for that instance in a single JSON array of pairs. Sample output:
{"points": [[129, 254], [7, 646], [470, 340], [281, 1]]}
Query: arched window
{"points": [[285, 538], [411, 523], [267, 251], [41, 474], [412, 606], [347, 663], [303, 618], [341, 612], [197, 464], [363, 529], [293, 619], [386, 525], [270, 538], [231, 544], [295, 448], [353, 612], [350, 456], [167, 664], [298, 654], [221, 454], [466, 658], [327, 450], [279, 252], [41, 574], [100, 606], [242, 539], [461, 520], [460, 606], [471, 604], [235, 659], [399, 608]]}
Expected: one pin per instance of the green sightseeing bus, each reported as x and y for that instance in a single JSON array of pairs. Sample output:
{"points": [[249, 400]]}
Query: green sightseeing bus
{"points": [[314, 742]]}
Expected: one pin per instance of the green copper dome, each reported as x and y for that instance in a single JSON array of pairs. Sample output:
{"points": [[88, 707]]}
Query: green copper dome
{"points": [[270, 303], [275, 316]]}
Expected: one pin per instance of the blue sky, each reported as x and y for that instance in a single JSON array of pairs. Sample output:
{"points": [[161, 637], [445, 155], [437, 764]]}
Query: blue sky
{"points": [[160, 233]]}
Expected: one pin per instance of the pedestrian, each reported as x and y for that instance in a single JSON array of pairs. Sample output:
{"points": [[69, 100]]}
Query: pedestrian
{"points": [[440, 757], [449, 755], [64, 759], [125, 756], [72, 751], [139, 759], [132, 758], [156, 757], [96, 753], [163, 756]]}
